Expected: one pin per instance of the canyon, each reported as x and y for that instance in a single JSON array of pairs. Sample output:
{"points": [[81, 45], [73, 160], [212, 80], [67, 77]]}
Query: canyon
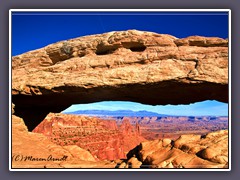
{"points": [[173, 127], [104, 139], [139, 66], [32, 150], [91, 142], [156, 126]]}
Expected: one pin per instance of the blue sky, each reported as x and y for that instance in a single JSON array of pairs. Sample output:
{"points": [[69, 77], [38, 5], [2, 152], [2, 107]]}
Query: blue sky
{"points": [[195, 109], [32, 30], [35, 30]]}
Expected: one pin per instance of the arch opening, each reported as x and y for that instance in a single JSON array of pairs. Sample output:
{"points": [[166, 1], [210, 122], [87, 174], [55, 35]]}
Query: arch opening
{"points": [[33, 108]]}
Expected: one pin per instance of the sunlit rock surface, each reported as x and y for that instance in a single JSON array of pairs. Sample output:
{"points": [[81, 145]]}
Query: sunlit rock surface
{"points": [[128, 65]]}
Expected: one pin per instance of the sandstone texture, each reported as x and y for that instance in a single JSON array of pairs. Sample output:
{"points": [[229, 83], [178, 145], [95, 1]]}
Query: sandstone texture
{"points": [[189, 151], [102, 138], [128, 65], [34, 150]]}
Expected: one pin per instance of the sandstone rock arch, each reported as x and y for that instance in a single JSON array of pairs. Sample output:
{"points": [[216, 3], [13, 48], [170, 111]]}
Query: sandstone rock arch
{"points": [[128, 65]]}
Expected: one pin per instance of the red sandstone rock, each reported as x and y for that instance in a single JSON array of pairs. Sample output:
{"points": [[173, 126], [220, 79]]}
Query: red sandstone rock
{"points": [[27, 146], [189, 151], [175, 126], [102, 138]]}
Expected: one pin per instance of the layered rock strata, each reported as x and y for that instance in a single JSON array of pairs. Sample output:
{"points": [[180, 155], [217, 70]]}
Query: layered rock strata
{"points": [[173, 126], [102, 138], [34, 150]]}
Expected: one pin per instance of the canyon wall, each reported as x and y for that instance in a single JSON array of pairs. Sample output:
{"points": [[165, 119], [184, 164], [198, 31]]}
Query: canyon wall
{"points": [[35, 150], [173, 126], [38, 150], [102, 138]]}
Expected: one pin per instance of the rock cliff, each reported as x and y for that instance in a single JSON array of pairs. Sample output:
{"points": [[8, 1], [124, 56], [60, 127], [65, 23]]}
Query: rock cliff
{"points": [[34, 150], [173, 126], [128, 65], [102, 138]]}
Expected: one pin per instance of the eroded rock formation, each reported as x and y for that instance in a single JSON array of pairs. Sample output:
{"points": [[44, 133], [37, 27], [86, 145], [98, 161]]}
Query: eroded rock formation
{"points": [[34, 150], [129, 65], [102, 138], [173, 126], [189, 151]]}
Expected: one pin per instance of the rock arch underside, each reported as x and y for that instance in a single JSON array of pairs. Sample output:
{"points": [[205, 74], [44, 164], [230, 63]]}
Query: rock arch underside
{"points": [[139, 66]]}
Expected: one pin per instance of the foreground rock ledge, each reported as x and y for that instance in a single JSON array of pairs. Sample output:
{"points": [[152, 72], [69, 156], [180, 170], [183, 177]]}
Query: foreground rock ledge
{"points": [[189, 151], [132, 65]]}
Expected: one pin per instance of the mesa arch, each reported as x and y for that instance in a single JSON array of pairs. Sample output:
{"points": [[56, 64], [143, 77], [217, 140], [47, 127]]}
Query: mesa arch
{"points": [[131, 65]]}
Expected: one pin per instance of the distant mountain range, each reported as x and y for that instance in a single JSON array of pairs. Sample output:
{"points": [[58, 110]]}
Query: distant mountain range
{"points": [[127, 113]]}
